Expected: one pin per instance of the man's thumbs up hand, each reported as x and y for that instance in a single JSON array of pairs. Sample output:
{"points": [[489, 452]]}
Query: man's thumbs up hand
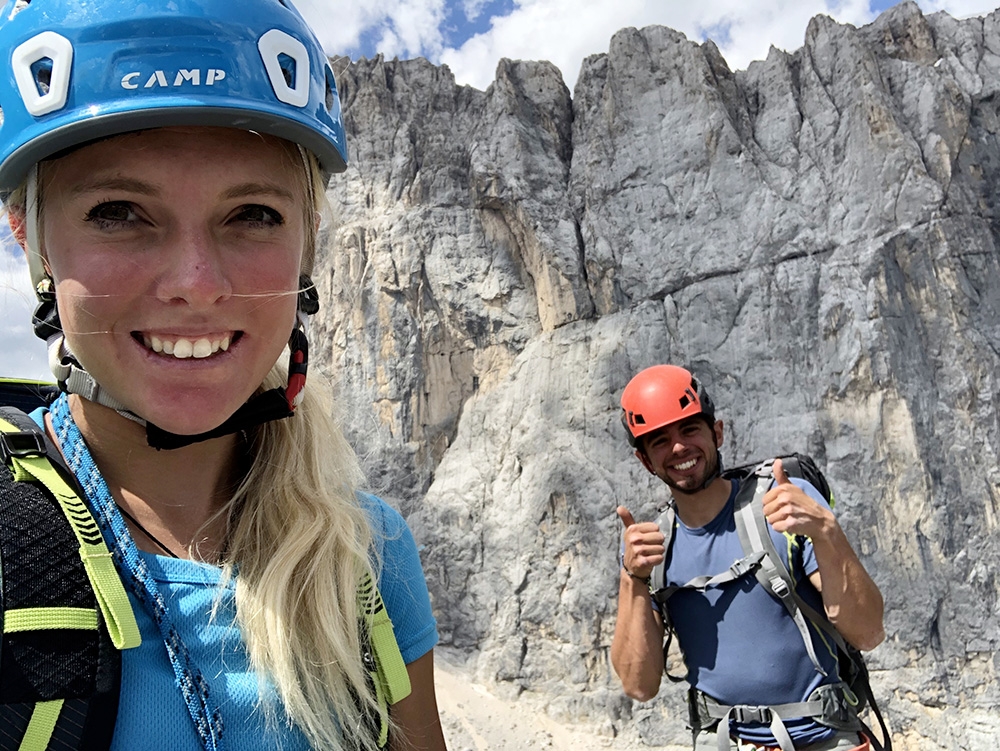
{"points": [[643, 545], [778, 470], [790, 509]]}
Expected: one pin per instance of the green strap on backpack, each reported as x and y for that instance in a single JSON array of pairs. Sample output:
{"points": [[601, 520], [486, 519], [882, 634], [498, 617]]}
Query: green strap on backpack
{"points": [[66, 616], [381, 655]]}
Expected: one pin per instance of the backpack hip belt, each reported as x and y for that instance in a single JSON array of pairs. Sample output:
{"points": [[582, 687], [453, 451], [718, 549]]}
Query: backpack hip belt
{"points": [[831, 704]]}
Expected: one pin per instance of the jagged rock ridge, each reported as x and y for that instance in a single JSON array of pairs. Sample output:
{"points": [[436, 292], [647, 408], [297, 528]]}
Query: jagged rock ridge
{"points": [[816, 236]]}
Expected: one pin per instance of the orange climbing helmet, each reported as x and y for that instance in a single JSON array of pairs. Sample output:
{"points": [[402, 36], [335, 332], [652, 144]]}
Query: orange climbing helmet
{"points": [[661, 395]]}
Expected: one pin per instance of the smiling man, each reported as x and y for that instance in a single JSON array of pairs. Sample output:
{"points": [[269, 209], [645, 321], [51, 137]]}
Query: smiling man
{"points": [[748, 662]]}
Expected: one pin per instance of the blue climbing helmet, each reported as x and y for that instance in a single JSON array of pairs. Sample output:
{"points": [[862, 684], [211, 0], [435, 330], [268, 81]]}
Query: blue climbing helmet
{"points": [[78, 71]]}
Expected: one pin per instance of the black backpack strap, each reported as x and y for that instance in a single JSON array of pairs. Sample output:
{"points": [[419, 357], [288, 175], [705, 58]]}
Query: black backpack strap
{"points": [[773, 575], [658, 590], [60, 674], [658, 577]]}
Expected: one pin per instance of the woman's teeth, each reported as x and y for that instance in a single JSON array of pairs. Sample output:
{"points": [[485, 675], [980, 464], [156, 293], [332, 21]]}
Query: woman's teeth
{"points": [[182, 349]]}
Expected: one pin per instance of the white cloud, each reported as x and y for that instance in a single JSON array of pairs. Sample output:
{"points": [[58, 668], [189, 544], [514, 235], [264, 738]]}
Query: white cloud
{"points": [[404, 28], [473, 8], [564, 32], [958, 8], [23, 354]]}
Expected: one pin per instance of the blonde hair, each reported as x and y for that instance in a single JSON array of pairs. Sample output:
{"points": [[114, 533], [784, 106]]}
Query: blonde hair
{"points": [[298, 545], [302, 543]]}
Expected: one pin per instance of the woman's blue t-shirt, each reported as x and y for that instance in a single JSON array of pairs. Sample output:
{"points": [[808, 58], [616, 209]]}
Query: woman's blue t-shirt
{"points": [[151, 712]]}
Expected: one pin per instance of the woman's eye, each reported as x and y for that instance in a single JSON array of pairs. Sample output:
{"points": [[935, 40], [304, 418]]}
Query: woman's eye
{"points": [[260, 216], [112, 214]]}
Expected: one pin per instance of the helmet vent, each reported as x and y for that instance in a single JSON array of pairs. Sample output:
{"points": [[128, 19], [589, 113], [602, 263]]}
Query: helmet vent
{"points": [[18, 7], [331, 89], [286, 61], [688, 397], [41, 68], [287, 64], [41, 72]]}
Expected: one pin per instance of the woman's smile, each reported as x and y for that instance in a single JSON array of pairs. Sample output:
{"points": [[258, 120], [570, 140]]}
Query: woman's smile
{"points": [[183, 348]]}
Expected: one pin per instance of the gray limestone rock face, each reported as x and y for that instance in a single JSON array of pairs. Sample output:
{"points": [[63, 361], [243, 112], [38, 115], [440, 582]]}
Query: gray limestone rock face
{"points": [[816, 236]]}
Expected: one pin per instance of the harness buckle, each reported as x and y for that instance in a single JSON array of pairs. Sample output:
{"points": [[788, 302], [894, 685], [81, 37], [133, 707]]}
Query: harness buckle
{"points": [[21, 445], [748, 713], [780, 587], [742, 567]]}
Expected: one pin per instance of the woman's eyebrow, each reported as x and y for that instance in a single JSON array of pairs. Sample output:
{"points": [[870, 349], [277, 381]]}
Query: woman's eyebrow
{"points": [[134, 185], [128, 184], [256, 189]]}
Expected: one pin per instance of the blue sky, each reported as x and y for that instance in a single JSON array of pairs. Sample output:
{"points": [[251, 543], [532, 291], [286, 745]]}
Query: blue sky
{"points": [[470, 37]]}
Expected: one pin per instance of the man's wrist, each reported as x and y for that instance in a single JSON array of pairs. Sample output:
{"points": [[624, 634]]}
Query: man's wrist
{"points": [[644, 579]]}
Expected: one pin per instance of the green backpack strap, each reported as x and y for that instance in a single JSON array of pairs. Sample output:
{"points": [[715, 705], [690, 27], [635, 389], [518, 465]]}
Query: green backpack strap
{"points": [[381, 654], [64, 611]]}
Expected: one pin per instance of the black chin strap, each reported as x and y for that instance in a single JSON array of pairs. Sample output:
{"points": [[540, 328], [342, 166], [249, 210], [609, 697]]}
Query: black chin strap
{"points": [[270, 405]]}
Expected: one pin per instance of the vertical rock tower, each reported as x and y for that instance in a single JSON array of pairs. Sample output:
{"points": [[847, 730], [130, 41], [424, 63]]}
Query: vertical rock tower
{"points": [[816, 236]]}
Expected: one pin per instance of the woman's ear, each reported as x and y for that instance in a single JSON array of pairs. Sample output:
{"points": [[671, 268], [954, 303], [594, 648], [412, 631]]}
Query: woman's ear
{"points": [[15, 217]]}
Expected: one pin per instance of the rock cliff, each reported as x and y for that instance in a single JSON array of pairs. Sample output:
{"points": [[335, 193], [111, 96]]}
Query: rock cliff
{"points": [[816, 236]]}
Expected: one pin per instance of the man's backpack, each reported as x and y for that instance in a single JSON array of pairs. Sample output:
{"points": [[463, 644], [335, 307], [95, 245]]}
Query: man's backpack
{"points": [[837, 705], [64, 614]]}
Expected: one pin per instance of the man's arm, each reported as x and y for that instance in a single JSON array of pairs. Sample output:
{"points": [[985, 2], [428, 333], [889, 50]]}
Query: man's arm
{"points": [[852, 601], [637, 646]]}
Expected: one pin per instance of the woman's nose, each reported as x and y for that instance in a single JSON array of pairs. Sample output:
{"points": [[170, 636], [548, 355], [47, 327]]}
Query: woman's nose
{"points": [[194, 269]]}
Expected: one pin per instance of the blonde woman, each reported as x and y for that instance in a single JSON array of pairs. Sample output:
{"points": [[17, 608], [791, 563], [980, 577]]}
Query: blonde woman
{"points": [[163, 165]]}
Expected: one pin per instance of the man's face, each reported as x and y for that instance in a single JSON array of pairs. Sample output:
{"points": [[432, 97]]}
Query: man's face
{"points": [[684, 454]]}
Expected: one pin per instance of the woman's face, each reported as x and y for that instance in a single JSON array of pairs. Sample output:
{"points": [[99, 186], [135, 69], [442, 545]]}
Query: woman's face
{"points": [[176, 254]]}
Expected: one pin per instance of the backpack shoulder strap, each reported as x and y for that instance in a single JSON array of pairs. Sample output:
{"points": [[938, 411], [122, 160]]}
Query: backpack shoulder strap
{"points": [[380, 653], [773, 576], [59, 664], [658, 577]]}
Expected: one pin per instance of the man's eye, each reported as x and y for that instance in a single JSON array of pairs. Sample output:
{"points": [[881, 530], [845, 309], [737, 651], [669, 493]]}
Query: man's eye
{"points": [[260, 216], [111, 214]]}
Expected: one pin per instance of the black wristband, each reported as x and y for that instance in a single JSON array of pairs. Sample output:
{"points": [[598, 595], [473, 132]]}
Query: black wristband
{"points": [[644, 579]]}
